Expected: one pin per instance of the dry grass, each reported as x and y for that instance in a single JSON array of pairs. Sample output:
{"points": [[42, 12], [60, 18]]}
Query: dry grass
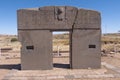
{"points": [[5, 42], [62, 41]]}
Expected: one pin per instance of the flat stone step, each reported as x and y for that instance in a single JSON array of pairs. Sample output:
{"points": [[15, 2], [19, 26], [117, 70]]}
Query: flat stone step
{"points": [[63, 74], [116, 69]]}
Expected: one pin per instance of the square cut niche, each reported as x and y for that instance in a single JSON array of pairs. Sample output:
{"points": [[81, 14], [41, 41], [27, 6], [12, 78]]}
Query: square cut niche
{"points": [[92, 46], [30, 47]]}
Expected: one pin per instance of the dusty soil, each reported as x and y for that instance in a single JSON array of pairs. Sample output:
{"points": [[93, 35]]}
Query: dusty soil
{"points": [[11, 60], [8, 61]]}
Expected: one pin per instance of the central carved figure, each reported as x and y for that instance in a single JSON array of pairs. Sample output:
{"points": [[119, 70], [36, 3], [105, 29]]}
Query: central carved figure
{"points": [[60, 13]]}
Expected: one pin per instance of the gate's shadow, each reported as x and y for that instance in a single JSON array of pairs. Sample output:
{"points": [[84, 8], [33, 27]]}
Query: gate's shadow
{"points": [[18, 66], [11, 66], [60, 65]]}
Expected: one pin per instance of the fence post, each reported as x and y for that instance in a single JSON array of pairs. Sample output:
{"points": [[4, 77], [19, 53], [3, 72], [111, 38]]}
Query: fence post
{"points": [[0, 53], [58, 50], [115, 48]]}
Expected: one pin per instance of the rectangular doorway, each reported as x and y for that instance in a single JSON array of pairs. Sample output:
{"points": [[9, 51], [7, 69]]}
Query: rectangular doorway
{"points": [[61, 46]]}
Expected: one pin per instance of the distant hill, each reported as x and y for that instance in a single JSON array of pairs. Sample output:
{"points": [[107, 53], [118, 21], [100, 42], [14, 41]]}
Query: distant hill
{"points": [[4, 35], [112, 34]]}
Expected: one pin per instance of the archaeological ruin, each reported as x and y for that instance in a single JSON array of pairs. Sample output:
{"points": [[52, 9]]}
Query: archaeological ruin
{"points": [[35, 27]]}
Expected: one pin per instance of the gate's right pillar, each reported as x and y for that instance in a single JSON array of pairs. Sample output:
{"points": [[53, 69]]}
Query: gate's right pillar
{"points": [[86, 40]]}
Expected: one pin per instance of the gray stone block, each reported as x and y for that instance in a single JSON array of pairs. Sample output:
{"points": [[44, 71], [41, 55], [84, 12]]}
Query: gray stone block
{"points": [[36, 52], [47, 18], [30, 19], [86, 47], [88, 19]]}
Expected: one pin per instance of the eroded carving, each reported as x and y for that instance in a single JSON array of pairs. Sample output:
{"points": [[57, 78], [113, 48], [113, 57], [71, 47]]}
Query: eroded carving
{"points": [[60, 13]]}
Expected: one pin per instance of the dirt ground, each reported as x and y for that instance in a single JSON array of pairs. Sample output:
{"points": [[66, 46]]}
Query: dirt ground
{"points": [[8, 61], [11, 60]]}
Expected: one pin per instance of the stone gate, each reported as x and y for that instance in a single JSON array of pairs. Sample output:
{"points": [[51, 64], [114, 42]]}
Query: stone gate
{"points": [[35, 26]]}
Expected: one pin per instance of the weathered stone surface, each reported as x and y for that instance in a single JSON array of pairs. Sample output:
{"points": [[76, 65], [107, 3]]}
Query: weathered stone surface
{"points": [[30, 19], [47, 18], [86, 49], [35, 26], [88, 19], [36, 49]]}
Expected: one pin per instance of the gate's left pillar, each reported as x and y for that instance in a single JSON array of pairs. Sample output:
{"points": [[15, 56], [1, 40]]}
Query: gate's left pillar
{"points": [[36, 51], [36, 38]]}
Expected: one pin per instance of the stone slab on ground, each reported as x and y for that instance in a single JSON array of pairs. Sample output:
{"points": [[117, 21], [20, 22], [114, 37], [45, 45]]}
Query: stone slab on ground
{"points": [[116, 69], [59, 74]]}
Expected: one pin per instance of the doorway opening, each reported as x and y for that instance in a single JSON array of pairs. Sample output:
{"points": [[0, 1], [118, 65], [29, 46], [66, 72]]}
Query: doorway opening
{"points": [[61, 49]]}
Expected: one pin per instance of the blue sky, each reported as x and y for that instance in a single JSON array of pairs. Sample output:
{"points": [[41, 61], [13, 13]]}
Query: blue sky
{"points": [[110, 12]]}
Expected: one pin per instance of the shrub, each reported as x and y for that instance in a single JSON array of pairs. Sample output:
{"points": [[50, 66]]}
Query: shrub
{"points": [[14, 39]]}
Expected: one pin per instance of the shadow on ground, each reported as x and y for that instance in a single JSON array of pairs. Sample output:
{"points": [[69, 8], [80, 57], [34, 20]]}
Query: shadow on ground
{"points": [[59, 65], [18, 66], [11, 66]]}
